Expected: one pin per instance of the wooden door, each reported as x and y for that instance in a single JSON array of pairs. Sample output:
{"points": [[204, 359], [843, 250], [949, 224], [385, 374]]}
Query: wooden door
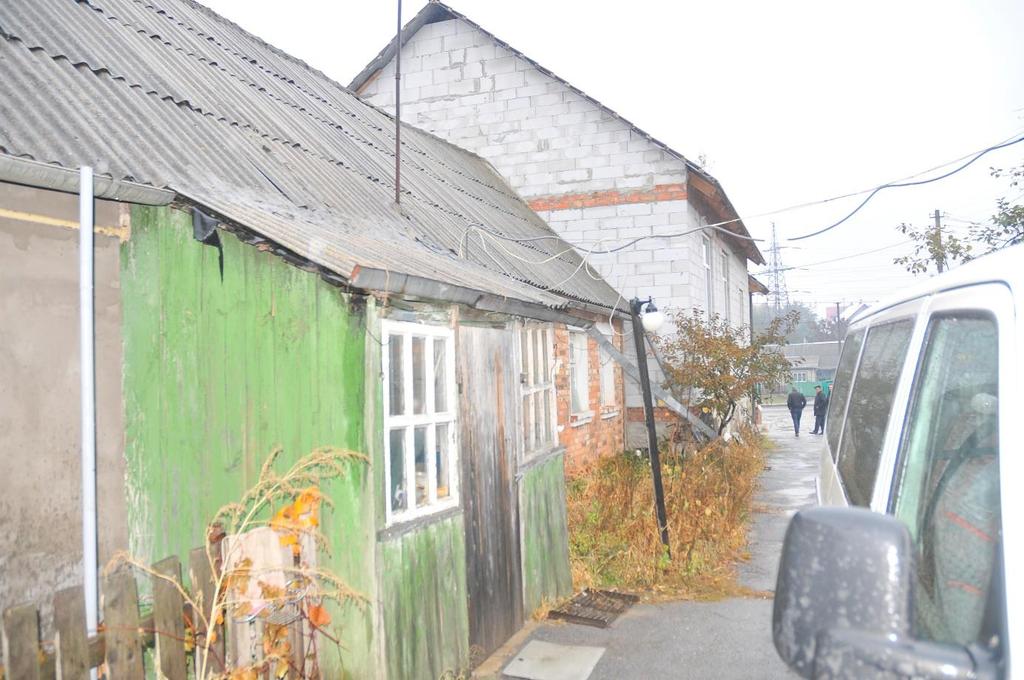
{"points": [[488, 389]]}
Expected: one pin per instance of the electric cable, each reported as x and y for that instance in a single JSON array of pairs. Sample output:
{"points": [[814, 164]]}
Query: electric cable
{"points": [[894, 185]]}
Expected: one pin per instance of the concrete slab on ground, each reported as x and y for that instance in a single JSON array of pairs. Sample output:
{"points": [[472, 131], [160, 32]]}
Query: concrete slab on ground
{"points": [[540, 660]]}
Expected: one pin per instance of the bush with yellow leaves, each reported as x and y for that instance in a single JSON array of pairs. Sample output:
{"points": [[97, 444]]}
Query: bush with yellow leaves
{"points": [[281, 509]]}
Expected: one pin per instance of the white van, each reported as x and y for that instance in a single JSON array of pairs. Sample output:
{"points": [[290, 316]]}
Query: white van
{"points": [[925, 424]]}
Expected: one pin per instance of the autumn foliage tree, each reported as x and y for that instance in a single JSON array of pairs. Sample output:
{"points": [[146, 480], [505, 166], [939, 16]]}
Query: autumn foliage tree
{"points": [[713, 365]]}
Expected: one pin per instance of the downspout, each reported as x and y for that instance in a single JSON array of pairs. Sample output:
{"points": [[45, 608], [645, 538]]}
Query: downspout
{"points": [[87, 337]]}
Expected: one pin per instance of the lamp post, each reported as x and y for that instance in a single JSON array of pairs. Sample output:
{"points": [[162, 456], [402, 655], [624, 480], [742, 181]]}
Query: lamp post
{"points": [[650, 321]]}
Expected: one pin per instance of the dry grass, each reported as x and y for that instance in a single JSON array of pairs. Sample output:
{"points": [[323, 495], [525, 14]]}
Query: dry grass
{"points": [[613, 534]]}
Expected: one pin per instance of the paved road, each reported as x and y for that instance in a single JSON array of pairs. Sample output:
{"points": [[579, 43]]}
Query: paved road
{"points": [[729, 639]]}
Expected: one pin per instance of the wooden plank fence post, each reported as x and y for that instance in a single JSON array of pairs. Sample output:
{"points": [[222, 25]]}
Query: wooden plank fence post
{"points": [[72, 643], [203, 578], [168, 621], [121, 621], [21, 643]]}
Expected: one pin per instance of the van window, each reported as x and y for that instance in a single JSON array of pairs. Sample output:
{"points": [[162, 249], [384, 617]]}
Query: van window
{"points": [[948, 488], [870, 401], [841, 389]]}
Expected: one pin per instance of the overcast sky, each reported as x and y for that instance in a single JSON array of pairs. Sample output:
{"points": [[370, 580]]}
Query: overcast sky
{"points": [[789, 101]]}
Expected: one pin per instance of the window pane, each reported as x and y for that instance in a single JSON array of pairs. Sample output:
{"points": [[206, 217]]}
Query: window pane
{"points": [[841, 389], [440, 375], [524, 360], [527, 422], [548, 436], [544, 367], [870, 403], [443, 446], [419, 439], [396, 391], [419, 375], [948, 493], [538, 405], [396, 455], [538, 356]]}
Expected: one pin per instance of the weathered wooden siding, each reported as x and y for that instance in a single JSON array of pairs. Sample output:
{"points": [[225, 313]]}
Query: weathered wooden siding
{"points": [[489, 388], [423, 593], [544, 531], [217, 373]]}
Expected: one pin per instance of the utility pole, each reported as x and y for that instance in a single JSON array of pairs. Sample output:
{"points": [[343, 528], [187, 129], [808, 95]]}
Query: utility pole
{"points": [[839, 338], [940, 253]]}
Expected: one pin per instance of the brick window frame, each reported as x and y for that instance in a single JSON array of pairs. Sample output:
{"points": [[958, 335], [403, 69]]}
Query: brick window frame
{"points": [[609, 398], [437, 423], [537, 388], [579, 376]]}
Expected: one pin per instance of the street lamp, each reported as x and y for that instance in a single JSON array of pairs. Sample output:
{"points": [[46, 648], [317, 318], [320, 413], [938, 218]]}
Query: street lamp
{"points": [[650, 321]]}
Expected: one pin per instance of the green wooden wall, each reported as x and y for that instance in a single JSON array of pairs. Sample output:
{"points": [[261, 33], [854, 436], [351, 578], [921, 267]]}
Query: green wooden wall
{"points": [[545, 534], [217, 373], [423, 593]]}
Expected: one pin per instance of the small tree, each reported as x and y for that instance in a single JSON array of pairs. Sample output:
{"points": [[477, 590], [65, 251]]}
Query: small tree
{"points": [[1007, 226], [715, 365], [932, 247]]}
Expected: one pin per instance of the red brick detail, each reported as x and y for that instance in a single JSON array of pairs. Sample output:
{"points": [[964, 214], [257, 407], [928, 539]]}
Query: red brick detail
{"points": [[593, 199], [603, 434]]}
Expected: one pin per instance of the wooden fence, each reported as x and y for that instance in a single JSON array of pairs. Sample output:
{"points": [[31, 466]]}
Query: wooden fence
{"points": [[124, 634]]}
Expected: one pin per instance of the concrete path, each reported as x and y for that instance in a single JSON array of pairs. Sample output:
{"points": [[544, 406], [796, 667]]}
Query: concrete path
{"points": [[730, 639]]}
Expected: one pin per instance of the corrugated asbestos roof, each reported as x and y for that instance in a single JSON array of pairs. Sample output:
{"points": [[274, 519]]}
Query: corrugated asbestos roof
{"points": [[435, 11], [167, 93]]}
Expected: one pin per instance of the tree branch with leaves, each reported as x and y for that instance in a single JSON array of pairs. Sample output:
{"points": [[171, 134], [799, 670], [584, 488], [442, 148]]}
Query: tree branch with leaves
{"points": [[715, 365]]}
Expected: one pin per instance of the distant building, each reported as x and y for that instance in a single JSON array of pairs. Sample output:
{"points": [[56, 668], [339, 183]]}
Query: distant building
{"points": [[813, 361]]}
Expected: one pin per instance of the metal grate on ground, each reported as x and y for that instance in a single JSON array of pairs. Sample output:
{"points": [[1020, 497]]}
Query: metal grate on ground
{"points": [[598, 608]]}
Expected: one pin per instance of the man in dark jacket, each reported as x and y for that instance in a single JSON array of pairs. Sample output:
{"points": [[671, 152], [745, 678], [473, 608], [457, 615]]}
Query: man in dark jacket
{"points": [[796, 403], [820, 409]]}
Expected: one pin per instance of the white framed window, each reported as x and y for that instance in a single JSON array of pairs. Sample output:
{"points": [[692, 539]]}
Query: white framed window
{"points": [[537, 369], [708, 278], [607, 369], [724, 274], [579, 373], [420, 443]]}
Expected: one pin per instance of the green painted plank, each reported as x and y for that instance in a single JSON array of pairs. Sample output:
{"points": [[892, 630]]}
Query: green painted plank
{"points": [[546, 570], [219, 372], [424, 598]]}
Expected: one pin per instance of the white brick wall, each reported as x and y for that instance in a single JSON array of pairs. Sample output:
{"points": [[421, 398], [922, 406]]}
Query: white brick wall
{"points": [[547, 140]]}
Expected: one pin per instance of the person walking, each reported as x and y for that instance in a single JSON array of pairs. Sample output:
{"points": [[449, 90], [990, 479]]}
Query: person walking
{"points": [[796, 403], [820, 409]]}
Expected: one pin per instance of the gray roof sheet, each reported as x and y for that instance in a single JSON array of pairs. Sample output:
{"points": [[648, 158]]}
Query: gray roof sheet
{"points": [[169, 94]]}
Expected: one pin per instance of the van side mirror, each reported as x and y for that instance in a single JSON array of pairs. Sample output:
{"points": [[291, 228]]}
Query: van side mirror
{"points": [[840, 568], [843, 602]]}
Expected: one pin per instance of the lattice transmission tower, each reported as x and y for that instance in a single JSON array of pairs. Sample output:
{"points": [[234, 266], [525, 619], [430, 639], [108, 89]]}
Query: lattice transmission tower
{"points": [[777, 296]]}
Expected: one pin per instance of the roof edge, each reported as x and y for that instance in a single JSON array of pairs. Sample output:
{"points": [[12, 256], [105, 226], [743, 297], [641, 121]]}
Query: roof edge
{"points": [[33, 173]]}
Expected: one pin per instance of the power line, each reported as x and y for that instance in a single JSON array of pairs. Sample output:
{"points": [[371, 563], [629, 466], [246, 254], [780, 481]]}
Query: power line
{"points": [[894, 185], [840, 259]]}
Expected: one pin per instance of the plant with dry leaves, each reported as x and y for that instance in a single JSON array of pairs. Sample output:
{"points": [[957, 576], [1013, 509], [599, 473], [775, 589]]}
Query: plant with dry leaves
{"points": [[714, 365], [286, 504], [614, 539]]}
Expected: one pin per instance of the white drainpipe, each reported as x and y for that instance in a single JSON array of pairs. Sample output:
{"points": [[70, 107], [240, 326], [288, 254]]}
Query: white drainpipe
{"points": [[88, 362]]}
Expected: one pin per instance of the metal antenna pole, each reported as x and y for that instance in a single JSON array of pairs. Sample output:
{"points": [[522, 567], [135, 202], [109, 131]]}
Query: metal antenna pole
{"points": [[398, 107]]}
